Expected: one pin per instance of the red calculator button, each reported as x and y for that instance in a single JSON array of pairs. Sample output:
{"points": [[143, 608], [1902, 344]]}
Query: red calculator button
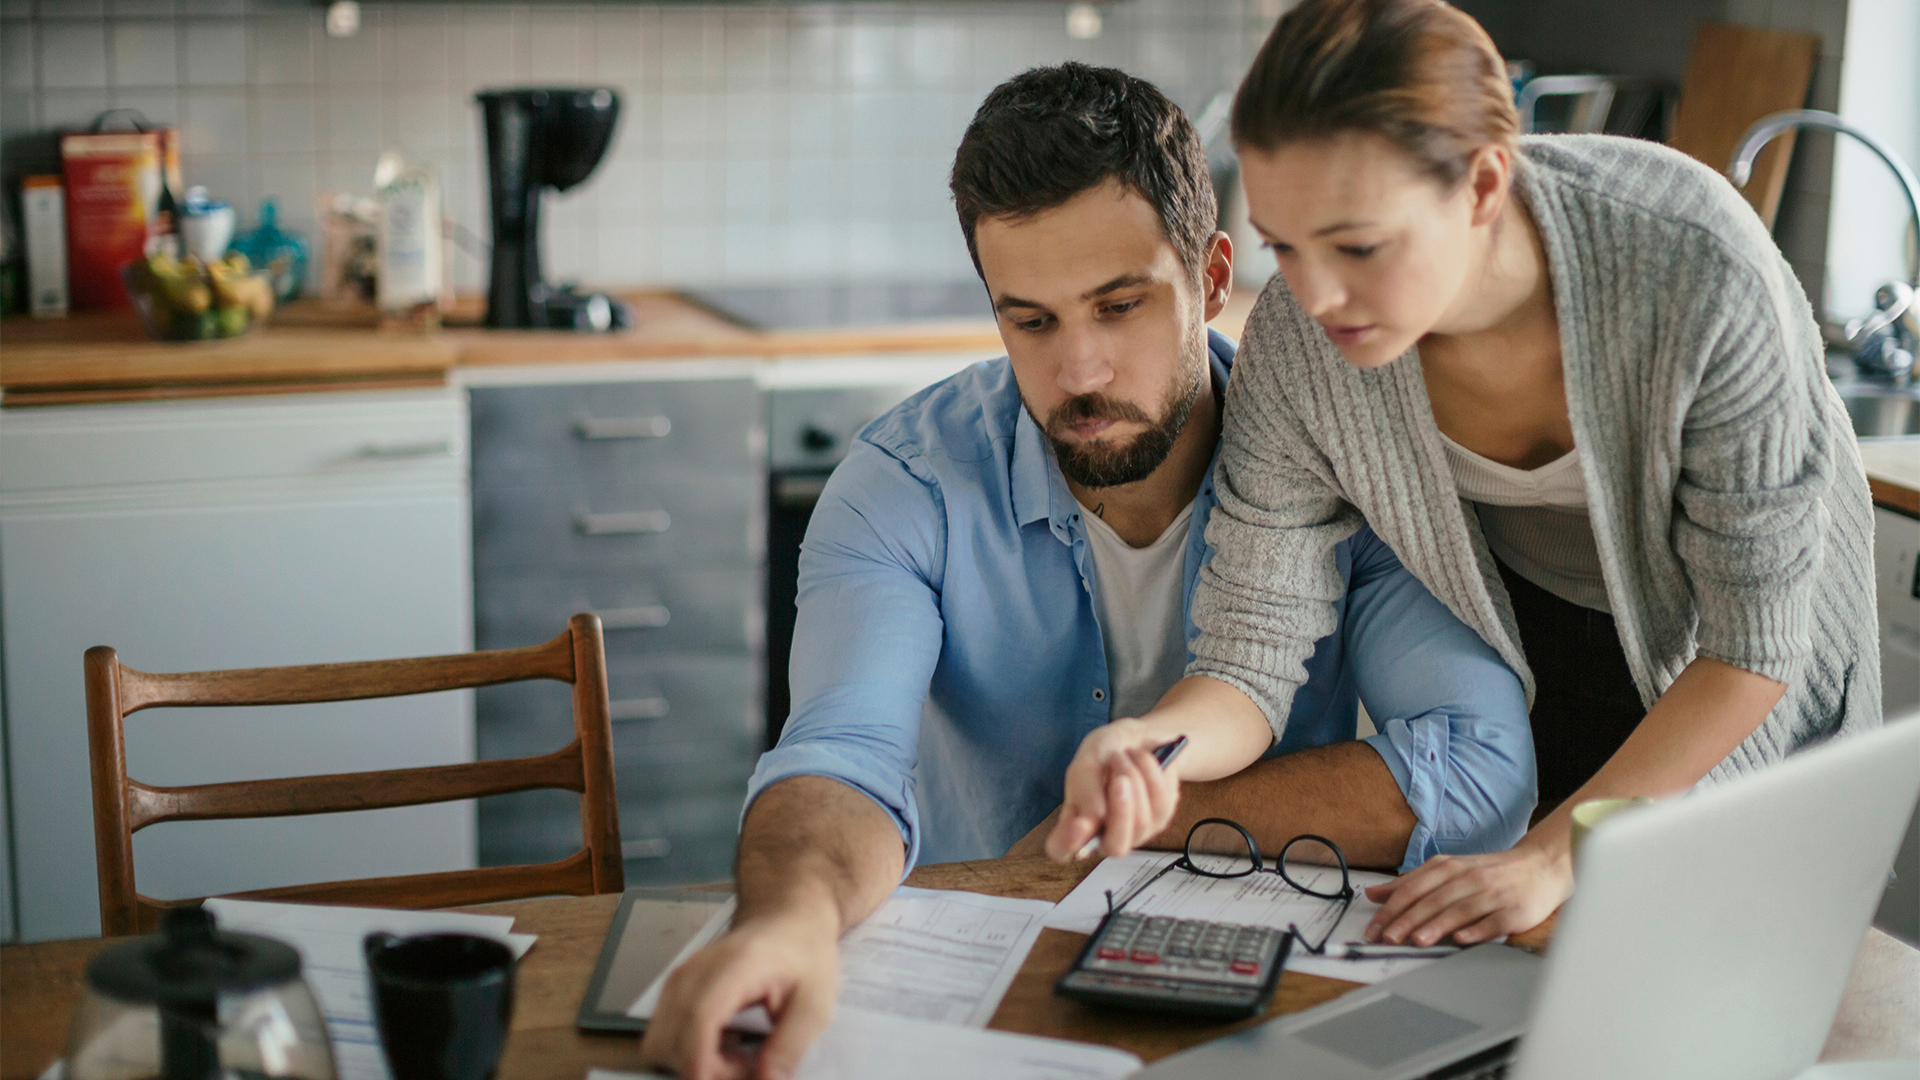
{"points": [[1243, 967], [1108, 952], [1142, 956]]}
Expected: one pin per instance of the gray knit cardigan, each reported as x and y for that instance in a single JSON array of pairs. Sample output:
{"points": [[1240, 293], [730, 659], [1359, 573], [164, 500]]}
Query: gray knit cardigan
{"points": [[1725, 487]]}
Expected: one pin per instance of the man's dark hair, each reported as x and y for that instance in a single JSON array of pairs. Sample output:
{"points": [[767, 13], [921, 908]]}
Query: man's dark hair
{"points": [[1050, 133]]}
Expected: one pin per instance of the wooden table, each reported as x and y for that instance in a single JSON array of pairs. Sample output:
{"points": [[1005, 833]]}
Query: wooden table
{"points": [[40, 984]]}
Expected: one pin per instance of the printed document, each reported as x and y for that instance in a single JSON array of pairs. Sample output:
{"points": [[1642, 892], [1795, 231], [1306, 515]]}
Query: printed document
{"points": [[926, 954], [328, 939], [862, 1045], [1254, 900]]}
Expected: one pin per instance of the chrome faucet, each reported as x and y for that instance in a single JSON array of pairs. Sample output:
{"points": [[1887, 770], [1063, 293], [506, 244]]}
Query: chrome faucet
{"points": [[1884, 342]]}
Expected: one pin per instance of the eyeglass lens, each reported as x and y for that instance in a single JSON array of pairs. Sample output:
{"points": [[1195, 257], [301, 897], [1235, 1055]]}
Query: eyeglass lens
{"points": [[1315, 866], [1220, 848]]}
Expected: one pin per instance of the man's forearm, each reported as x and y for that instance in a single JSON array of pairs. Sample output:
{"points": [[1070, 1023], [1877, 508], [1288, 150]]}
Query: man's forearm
{"points": [[814, 843], [1342, 791]]}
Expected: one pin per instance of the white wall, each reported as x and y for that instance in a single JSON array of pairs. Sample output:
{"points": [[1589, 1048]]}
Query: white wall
{"points": [[758, 142], [1879, 93]]}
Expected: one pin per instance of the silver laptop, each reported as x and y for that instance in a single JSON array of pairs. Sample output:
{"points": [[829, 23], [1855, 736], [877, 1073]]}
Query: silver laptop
{"points": [[1709, 937]]}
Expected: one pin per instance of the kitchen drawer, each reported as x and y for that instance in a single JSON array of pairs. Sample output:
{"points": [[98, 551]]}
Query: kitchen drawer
{"points": [[682, 696], [390, 435], [690, 842], [658, 609], [712, 700], [527, 435], [555, 528], [676, 842], [663, 771]]}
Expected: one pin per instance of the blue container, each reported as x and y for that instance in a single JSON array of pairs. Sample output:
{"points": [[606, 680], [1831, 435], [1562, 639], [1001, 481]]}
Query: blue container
{"points": [[269, 243]]}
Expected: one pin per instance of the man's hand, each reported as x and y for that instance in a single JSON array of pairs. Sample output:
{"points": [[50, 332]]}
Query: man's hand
{"points": [[789, 962], [816, 856], [1116, 791]]}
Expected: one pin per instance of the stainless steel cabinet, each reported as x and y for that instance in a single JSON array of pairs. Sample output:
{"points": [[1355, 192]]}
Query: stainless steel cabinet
{"points": [[641, 501]]}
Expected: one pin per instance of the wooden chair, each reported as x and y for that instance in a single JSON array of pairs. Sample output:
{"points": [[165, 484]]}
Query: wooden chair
{"points": [[123, 806]]}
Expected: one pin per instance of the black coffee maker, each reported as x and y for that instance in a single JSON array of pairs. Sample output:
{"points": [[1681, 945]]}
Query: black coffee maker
{"points": [[539, 138]]}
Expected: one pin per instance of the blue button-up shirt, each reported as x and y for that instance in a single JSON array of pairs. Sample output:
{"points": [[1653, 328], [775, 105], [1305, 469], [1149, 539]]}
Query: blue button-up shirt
{"points": [[947, 660]]}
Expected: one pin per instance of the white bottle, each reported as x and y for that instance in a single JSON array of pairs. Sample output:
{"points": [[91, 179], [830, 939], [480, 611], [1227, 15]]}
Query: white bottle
{"points": [[409, 238], [43, 205]]}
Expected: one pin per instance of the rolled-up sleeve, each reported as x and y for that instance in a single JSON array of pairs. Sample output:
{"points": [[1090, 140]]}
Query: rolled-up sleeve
{"points": [[1451, 716], [1750, 517], [866, 637]]}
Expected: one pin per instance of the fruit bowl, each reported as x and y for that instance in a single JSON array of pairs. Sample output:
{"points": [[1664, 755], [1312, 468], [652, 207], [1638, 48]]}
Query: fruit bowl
{"points": [[189, 300]]}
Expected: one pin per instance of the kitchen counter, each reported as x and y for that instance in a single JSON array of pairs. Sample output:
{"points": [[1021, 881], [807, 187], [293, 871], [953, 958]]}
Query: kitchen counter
{"points": [[311, 346], [98, 357], [1893, 472]]}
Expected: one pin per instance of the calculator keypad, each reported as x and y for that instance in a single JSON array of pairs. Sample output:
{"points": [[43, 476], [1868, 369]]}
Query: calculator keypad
{"points": [[1190, 949]]}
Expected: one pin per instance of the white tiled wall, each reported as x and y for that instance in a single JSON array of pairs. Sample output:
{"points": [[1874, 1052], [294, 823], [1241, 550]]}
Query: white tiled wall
{"points": [[758, 142]]}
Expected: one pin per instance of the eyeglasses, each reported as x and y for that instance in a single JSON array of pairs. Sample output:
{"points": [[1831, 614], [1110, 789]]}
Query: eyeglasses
{"points": [[1220, 848]]}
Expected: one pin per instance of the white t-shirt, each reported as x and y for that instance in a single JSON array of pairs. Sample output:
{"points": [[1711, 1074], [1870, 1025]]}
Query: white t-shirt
{"points": [[1137, 594], [1535, 521]]}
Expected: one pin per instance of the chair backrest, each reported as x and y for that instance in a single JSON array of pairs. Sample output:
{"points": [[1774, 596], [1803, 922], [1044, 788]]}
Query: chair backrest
{"points": [[123, 806]]}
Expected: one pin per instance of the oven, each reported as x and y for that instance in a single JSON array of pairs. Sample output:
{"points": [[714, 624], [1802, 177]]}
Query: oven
{"points": [[816, 405], [814, 410]]}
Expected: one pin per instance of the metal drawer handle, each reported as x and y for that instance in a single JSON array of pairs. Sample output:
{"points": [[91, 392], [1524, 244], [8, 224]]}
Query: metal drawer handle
{"points": [[652, 847], [634, 618], [623, 427], [401, 451], [646, 708], [636, 521]]}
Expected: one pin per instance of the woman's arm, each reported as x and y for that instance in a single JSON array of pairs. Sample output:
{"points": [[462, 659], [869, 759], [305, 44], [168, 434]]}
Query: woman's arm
{"points": [[1710, 709], [1116, 790]]}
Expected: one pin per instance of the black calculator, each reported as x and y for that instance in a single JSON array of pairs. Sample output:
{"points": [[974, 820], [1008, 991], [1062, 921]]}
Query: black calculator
{"points": [[1211, 969]]}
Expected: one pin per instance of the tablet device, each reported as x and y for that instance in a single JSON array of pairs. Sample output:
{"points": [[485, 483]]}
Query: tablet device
{"points": [[648, 931]]}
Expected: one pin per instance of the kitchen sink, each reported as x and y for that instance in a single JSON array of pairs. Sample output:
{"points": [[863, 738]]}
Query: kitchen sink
{"points": [[1879, 410]]}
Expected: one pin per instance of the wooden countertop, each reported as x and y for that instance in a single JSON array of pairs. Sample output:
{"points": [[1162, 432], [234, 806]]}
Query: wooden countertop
{"points": [[310, 346], [98, 357], [1893, 472]]}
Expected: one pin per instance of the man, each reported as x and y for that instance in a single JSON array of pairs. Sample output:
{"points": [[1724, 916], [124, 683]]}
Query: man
{"points": [[1004, 563]]}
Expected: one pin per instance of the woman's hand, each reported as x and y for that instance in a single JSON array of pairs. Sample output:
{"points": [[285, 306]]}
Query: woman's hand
{"points": [[1116, 791], [1474, 898]]}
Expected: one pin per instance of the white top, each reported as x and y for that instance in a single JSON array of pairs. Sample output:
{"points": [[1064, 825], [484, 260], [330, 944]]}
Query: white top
{"points": [[1535, 521], [1484, 480], [1137, 595]]}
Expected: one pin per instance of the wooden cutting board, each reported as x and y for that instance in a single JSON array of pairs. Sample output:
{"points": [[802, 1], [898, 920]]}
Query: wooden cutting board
{"points": [[1735, 76]]}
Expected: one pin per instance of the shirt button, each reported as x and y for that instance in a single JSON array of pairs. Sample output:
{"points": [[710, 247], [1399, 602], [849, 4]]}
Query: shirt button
{"points": [[1099, 694]]}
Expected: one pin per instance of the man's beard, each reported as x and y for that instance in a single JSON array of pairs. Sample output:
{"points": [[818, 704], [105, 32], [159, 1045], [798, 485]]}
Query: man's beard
{"points": [[1095, 465]]}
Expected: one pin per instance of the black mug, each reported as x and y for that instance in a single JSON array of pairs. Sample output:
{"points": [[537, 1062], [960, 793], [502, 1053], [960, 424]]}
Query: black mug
{"points": [[442, 1003]]}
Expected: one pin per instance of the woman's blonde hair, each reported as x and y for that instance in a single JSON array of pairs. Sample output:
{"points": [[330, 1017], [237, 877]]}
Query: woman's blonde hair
{"points": [[1420, 73]]}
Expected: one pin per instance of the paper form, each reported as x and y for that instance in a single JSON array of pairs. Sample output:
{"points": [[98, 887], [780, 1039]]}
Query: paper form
{"points": [[1254, 900], [329, 941], [862, 1045], [925, 954]]}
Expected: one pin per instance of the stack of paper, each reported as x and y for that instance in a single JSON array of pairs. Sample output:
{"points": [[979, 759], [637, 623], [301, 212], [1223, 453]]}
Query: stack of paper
{"points": [[329, 941], [926, 954]]}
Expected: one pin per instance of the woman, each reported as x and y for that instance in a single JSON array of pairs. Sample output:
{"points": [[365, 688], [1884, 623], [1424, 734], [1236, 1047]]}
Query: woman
{"points": [[1574, 384]]}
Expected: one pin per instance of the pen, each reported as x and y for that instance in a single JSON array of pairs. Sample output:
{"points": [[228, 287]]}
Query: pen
{"points": [[1164, 754], [1360, 951]]}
